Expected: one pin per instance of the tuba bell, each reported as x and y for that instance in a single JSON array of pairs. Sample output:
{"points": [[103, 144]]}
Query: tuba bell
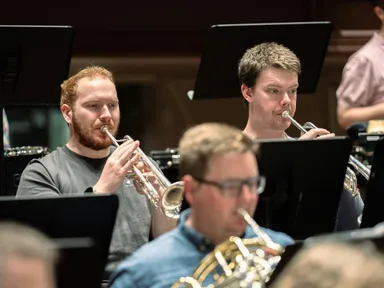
{"points": [[350, 181], [170, 202], [237, 262]]}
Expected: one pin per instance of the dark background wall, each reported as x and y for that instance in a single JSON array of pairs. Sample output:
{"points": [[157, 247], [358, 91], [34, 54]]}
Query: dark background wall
{"points": [[153, 48]]}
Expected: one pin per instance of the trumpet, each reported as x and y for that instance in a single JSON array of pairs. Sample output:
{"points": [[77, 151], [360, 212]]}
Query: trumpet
{"points": [[237, 262], [171, 200], [350, 182]]}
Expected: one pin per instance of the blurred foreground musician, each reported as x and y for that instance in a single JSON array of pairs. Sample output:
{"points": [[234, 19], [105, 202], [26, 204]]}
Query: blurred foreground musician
{"points": [[220, 176], [334, 264], [27, 257], [89, 164], [360, 94], [269, 76]]}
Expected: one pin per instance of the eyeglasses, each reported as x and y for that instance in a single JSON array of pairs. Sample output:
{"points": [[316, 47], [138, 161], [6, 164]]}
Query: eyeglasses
{"points": [[234, 188]]}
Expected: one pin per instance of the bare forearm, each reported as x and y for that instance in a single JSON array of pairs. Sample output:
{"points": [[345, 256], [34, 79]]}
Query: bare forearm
{"points": [[361, 114]]}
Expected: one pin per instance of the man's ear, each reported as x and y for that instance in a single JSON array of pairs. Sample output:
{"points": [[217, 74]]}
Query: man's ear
{"points": [[379, 13], [247, 93], [67, 113], [189, 189]]}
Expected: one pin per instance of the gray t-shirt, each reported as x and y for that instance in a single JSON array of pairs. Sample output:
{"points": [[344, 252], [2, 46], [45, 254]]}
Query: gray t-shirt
{"points": [[64, 172]]}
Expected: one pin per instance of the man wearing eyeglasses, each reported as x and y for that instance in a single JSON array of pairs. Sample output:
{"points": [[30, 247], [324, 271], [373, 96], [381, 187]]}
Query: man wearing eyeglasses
{"points": [[220, 176]]}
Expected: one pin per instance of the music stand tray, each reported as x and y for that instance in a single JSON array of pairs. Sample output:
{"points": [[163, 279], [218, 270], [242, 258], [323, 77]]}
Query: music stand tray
{"points": [[225, 44], [68, 217], [304, 184]]}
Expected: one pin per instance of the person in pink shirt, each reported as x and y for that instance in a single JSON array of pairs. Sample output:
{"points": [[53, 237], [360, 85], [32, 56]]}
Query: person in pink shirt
{"points": [[360, 95]]}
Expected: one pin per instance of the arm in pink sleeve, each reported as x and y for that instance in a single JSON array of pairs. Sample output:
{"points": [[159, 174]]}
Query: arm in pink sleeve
{"points": [[357, 83]]}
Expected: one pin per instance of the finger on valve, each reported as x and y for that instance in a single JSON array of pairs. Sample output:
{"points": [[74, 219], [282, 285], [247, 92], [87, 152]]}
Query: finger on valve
{"points": [[136, 183]]}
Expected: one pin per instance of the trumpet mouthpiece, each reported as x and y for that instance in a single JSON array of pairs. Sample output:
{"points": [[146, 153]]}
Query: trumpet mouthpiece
{"points": [[242, 212], [285, 114], [104, 128]]}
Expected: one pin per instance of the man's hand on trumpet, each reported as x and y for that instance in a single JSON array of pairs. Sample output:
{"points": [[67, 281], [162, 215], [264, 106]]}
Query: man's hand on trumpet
{"points": [[313, 133], [318, 133], [148, 175], [117, 167]]}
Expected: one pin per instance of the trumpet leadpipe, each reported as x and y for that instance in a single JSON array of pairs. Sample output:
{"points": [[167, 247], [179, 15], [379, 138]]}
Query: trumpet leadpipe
{"points": [[150, 190], [104, 129], [363, 169], [286, 115]]}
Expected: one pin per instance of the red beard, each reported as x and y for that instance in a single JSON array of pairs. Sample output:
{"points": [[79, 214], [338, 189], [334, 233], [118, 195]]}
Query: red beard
{"points": [[94, 138]]}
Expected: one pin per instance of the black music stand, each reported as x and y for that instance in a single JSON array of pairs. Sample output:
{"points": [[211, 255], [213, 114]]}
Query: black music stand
{"points": [[225, 45], [373, 212], [65, 217], [304, 184], [78, 263], [34, 61]]}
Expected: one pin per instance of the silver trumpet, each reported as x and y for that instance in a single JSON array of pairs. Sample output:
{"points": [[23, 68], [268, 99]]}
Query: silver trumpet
{"points": [[350, 182], [171, 200]]}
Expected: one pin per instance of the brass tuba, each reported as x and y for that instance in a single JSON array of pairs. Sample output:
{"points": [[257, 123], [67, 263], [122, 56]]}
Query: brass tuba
{"points": [[237, 262], [350, 182], [171, 200]]}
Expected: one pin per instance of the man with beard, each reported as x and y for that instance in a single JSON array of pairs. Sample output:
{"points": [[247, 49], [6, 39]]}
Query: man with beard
{"points": [[88, 163]]}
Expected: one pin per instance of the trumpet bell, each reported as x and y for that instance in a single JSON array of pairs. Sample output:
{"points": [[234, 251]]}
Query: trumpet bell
{"points": [[172, 197], [172, 200]]}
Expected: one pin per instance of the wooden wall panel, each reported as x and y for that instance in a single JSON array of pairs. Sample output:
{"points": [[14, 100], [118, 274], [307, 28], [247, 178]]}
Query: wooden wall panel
{"points": [[155, 27], [167, 111], [154, 47]]}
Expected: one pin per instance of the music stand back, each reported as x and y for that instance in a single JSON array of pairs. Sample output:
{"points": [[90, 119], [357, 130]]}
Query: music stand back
{"points": [[225, 44], [373, 212], [66, 217], [304, 184], [78, 263]]}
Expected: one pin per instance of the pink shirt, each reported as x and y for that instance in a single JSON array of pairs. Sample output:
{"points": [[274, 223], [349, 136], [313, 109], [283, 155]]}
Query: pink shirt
{"points": [[362, 83]]}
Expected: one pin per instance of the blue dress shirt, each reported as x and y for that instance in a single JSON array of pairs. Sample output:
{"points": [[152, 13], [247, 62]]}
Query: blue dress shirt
{"points": [[175, 254]]}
